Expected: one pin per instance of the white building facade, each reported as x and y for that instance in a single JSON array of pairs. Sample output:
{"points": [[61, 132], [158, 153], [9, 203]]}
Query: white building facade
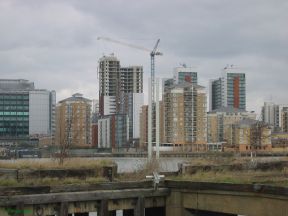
{"points": [[104, 133], [42, 112], [273, 114]]}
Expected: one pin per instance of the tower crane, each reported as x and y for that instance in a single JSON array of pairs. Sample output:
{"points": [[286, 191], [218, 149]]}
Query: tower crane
{"points": [[151, 107]]}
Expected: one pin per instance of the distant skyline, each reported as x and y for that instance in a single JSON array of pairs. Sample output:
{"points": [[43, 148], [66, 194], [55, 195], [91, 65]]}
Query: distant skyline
{"points": [[54, 43]]}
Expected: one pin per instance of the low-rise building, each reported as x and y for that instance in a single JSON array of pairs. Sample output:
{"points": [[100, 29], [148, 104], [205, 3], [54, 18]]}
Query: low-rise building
{"points": [[251, 135], [113, 131], [284, 122], [279, 141], [219, 123], [276, 115], [73, 117]]}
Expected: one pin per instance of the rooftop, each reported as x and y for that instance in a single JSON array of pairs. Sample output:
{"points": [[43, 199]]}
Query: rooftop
{"points": [[184, 85], [76, 97], [228, 110]]}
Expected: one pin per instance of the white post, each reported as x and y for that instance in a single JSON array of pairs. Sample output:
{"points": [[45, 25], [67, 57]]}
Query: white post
{"points": [[149, 120], [157, 119]]}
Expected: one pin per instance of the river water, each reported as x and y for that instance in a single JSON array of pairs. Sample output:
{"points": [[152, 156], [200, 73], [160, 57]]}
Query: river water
{"points": [[125, 164], [132, 164]]}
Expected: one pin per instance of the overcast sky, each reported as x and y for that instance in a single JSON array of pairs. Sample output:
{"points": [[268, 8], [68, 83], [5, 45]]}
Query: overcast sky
{"points": [[54, 42]]}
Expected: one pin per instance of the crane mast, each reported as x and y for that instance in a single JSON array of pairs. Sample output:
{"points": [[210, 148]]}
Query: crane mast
{"points": [[152, 54], [151, 107]]}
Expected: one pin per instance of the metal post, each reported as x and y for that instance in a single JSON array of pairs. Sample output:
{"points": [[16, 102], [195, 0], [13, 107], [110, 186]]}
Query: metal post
{"points": [[149, 120], [157, 119], [152, 78]]}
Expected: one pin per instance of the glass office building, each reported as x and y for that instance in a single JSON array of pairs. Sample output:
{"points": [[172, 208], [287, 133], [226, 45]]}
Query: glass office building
{"points": [[14, 114], [25, 111]]}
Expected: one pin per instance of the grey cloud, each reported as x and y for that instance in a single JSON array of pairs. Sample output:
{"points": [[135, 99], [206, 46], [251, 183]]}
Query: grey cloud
{"points": [[57, 39], [48, 25]]}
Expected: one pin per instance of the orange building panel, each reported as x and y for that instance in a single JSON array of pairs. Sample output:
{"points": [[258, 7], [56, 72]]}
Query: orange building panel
{"points": [[236, 92]]}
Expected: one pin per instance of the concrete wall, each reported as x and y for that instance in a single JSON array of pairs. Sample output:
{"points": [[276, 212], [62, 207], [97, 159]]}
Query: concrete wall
{"points": [[180, 198], [238, 199]]}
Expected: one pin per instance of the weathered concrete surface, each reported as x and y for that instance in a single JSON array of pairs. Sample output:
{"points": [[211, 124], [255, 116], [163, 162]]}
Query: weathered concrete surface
{"points": [[174, 204], [252, 200], [178, 198], [91, 202], [126, 204], [8, 173], [13, 191], [236, 203], [10, 191], [81, 196], [140, 206], [18, 174], [202, 186]]}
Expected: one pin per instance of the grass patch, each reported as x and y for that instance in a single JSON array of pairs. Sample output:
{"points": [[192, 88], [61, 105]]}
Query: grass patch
{"points": [[51, 181], [73, 163], [69, 163], [8, 182], [272, 177], [230, 160]]}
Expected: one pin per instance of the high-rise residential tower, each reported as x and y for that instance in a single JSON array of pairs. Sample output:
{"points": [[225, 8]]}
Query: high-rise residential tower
{"points": [[132, 79], [133, 98], [229, 90], [25, 111], [185, 74], [185, 114], [109, 84], [121, 92], [114, 81]]}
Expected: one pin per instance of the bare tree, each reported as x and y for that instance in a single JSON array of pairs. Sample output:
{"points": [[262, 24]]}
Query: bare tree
{"points": [[259, 133], [67, 143]]}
